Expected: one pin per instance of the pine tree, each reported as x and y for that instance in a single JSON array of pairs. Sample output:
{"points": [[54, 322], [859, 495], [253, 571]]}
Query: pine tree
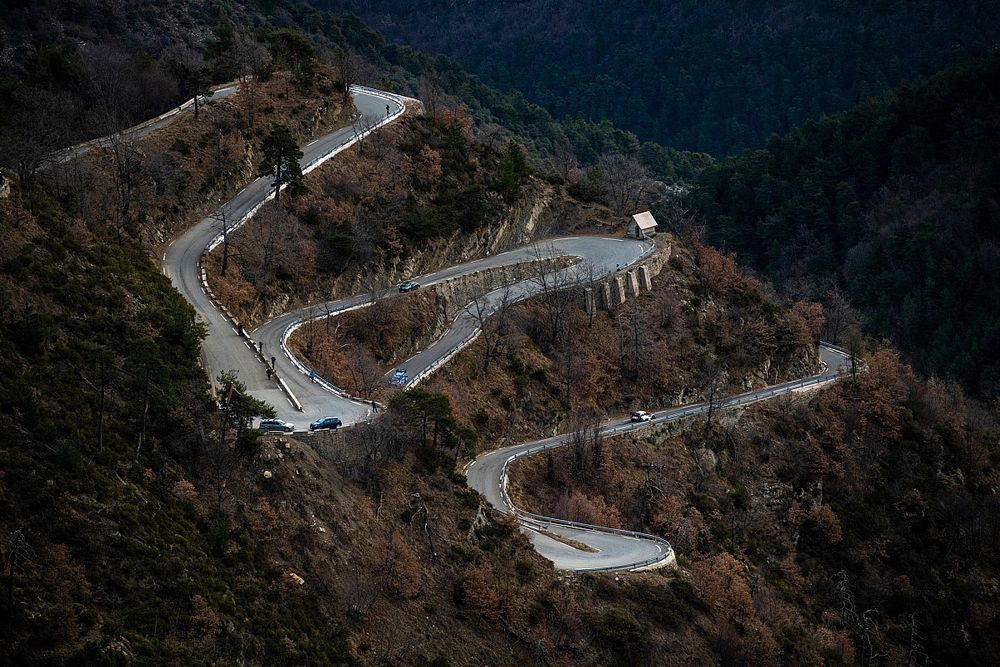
{"points": [[281, 157]]}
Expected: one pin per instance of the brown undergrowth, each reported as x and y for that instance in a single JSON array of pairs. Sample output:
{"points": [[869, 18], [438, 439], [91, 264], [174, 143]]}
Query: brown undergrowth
{"points": [[808, 524], [411, 565], [154, 187], [704, 330]]}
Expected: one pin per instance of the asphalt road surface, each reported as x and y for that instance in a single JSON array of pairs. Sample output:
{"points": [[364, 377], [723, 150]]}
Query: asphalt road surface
{"points": [[623, 550], [600, 256]]}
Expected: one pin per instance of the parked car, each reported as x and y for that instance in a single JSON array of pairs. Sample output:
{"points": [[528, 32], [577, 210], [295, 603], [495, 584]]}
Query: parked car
{"points": [[641, 416], [326, 422], [409, 286], [275, 425], [399, 378]]}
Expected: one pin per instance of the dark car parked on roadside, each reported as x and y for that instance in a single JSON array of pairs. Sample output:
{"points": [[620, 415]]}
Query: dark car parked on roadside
{"points": [[275, 425], [325, 422]]}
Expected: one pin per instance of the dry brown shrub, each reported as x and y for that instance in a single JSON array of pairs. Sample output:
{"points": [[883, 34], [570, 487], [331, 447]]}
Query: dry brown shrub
{"points": [[719, 580], [479, 596], [186, 491], [399, 572], [578, 506], [204, 621], [67, 581]]}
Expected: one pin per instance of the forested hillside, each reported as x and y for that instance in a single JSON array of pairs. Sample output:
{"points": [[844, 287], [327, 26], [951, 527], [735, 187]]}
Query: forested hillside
{"points": [[704, 76], [104, 409], [143, 520], [853, 526], [168, 50], [896, 204]]}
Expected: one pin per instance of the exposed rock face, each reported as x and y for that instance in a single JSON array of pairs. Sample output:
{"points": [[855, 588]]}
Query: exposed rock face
{"points": [[519, 226]]}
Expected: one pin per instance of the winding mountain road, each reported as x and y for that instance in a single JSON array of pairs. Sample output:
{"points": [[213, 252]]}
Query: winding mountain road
{"points": [[303, 399], [615, 550], [318, 398], [223, 349]]}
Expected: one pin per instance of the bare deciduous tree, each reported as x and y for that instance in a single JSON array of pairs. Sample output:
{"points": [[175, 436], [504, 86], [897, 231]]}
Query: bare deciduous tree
{"points": [[489, 313], [430, 93], [552, 286], [587, 443], [37, 127], [377, 309], [268, 241], [564, 160], [488, 134], [224, 225], [347, 63], [126, 162], [191, 70], [366, 374], [633, 342], [17, 552], [711, 383], [251, 59], [363, 128], [840, 316], [626, 182]]}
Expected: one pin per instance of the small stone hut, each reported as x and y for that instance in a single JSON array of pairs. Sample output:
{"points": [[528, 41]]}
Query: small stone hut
{"points": [[642, 226]]}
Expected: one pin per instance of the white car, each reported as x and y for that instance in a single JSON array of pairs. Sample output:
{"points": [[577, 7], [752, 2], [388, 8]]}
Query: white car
{"points": [[641, 416]]}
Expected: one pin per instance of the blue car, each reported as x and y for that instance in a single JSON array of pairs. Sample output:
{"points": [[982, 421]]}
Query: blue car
{"points": [[325, 422], [409, 286]]}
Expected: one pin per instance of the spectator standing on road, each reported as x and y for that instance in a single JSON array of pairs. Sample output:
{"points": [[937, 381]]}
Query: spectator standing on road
{"points": [[312, 376]]}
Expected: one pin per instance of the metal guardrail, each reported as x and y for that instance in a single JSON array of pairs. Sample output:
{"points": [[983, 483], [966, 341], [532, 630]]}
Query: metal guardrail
{"points": [[540, 520]]}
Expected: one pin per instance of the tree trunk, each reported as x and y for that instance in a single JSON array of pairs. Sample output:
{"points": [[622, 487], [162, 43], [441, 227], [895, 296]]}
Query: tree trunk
{"points": [[277, 183], [145, 411], [100, 408]]}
